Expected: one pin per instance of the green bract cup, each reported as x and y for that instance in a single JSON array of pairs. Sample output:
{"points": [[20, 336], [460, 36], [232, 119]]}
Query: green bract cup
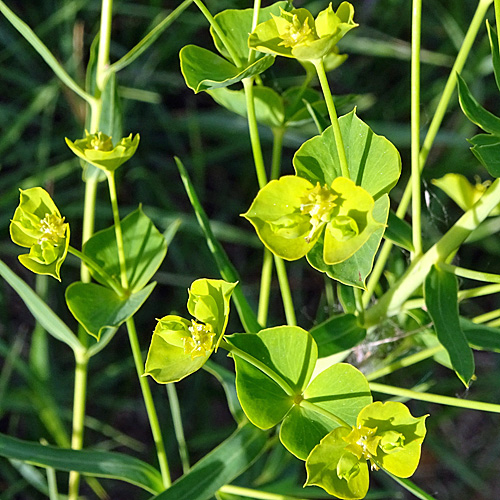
{"points": [[37, 224], [298, 35], [290, 214], [179, 346], [98, 150], [386, 435]]}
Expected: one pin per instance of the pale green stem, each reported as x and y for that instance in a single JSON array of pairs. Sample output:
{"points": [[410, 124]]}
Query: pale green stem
{"points": [[118, 228], [332, 112], [79, 399], [325, 413], [393, 299], [235, 351], [252, 54], [489, 316], [469, 273], [497, 18], [278, 134], [91, 264], [405, 362], [52, 483], [175, 410], [431, 135], [254, 494], [286, 294], [104, 43], [494, 324], [254, 133], [434, 398], [415, 127], [149, 403], [359, 304], [88, 220], [265, 287], [234, 56]]}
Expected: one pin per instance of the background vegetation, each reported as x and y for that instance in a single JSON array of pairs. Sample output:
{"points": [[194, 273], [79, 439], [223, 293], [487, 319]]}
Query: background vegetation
{"points": [[462, 449]]}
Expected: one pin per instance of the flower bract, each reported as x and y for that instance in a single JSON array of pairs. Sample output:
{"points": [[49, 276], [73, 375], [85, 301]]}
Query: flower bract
{"points": [[298, 35], [290, 215], [386, 435], [179, 346], [98, 149], [38, 225]]}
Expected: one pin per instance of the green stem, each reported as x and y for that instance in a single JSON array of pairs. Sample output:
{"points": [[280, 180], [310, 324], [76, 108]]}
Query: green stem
{"points": [[469, 273], [278, 134], [497, 18], [325, 87], [118, 228], [489, 316], [235, 351], [286, 294], [434, 398], [92, 264], [175, 410], [252, 54], [254, 133], [104, 43], [265, 287], [234, 55], [358, 297], [393, 299], [149, 403], [434, 127], [325, 413], [88, 220], [415, 127], [254, 494], [79, 399]]}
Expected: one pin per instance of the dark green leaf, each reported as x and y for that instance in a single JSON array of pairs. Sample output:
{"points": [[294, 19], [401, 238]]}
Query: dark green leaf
{"points": [[495, 52], [145, 248], [92, 463], [474, 111], [97, 308], [346, 297], [399, 232], [337, 334], [486, 149], [482, 337], [221, 466], [441, 292]]}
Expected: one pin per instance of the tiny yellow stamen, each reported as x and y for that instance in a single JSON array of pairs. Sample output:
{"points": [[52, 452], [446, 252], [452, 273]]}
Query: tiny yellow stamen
{"points": [[52, 228], [201, 340], [318, 204]]}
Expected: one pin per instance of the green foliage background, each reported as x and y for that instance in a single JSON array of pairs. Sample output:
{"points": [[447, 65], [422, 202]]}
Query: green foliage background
{"points": [[461, 452]]}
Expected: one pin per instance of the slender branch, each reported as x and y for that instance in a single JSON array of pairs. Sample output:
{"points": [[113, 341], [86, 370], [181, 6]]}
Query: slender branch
{"points": [[469, 273], [415, 127], [175, 410], [286, 294], [434, 398], [255, 494], [265, 287], [325, 87]]}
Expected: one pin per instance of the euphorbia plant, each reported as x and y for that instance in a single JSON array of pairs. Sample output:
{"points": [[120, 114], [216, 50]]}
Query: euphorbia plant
{"points": [[295, 381]]}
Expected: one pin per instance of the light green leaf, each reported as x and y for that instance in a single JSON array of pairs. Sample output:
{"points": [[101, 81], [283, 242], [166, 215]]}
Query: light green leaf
{"points": [[337, 334], [97, 308], [356, 269], [144, 247], [93, 463], [475, 112], [40, 310], [341, 390], [287, 351], [329, 467], [440, 293], [204, 70], [111, 119], [374, 163], [401, 435], [236, 24], [220, 467], [495, 51]]}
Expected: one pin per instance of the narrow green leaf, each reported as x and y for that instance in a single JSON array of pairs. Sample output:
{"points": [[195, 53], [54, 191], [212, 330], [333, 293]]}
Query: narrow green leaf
{"points": [[44, 52], [98, 308], [40, 310], [399, 232], [440, 293], [149, 39], [411, 487], [495, 52], [337, 334], [221, 466], [93, 463], [226, 268], [474, 111]]}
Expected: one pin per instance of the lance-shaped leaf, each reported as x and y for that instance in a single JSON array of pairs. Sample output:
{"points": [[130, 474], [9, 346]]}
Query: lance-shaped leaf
{"points": [[37, 224], [298, 35], [440, 293], [486, 148], [98, 150], [97, 308], [180, 347], [144, 248]]}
